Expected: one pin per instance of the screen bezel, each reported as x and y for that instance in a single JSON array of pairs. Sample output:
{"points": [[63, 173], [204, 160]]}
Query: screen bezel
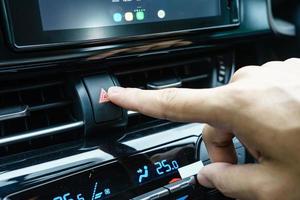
{"points": [[21, 21]]}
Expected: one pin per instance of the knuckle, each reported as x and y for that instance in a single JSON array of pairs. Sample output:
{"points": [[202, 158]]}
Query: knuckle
{"points": [[242, 72], [222, 185], [272, 64], [217, 137], [134, 92], [238, 93], [205, 135], [168, 96], [239, 98], [167, 101], [293, 60]]}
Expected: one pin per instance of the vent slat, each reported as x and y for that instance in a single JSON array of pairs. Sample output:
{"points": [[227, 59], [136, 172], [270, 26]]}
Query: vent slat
{"points": [[50, 115], [195, 78], [29, 87], [40, 133], [50, 106]]}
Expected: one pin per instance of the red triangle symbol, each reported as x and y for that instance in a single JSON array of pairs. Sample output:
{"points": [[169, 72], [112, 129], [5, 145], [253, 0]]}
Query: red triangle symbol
{"points": [[103, 97]]}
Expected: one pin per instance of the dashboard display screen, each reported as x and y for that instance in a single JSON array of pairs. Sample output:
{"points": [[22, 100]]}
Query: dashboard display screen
{"points": [[78, 14], [123, 179], [56, 23]]}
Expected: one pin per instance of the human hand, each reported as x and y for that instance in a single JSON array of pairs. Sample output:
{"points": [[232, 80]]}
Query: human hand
{"points": [[260, 106]]}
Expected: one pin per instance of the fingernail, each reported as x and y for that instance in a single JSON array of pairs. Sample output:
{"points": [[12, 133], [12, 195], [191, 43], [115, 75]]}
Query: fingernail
{"points": [[115, 90]]}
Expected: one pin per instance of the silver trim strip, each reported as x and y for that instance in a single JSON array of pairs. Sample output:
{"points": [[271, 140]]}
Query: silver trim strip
{"points": [[40, 133], [280, 26], [132, 113], [62, 163], [15, 112], [160, 87], [177, 133]]}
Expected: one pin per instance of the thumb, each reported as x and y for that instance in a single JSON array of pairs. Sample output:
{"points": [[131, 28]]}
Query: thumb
{"points": [[235, 181]]}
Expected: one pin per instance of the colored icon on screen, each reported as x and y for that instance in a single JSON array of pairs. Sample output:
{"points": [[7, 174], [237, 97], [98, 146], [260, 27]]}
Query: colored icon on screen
{"points": [[98, 195], [117, 17], [140, 15], [161, 14], [129, 16], [107, 191], [143, 173]]}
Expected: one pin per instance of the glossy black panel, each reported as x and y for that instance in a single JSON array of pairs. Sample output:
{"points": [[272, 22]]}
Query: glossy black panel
{"points": [[254, 23], [126, 177], [23, 16]]}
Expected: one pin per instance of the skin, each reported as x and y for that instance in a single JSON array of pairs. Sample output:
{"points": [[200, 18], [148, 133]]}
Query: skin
{"points": [[260, 106]]}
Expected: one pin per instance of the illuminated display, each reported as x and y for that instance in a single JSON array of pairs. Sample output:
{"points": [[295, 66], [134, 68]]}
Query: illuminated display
{"points": [[95, 194], [123, 179], [160, 169], [101, 13], [74, 22], [164, 167]]}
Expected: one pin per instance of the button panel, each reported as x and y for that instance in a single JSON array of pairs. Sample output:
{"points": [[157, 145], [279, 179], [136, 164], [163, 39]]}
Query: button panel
{"points": [[97, 87]]}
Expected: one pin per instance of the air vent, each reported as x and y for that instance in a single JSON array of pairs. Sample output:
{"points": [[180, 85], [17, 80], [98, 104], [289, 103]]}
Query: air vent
{"points": [[35, 114], [192, 73]]}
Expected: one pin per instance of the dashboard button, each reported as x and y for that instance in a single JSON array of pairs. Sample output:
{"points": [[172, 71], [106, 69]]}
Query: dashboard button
{"points": [[181, 188], [158, 194], [97, 87]]}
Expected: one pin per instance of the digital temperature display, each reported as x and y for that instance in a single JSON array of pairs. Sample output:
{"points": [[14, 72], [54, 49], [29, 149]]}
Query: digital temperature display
{"points": [[165, 167], [161, 168], [159, 165], [122, 179]]}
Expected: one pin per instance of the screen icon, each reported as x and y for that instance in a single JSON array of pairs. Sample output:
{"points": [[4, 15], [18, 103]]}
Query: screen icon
{"points": [[140, 15], [161, 14], [143, 173], [129, 16], [117, 17]]}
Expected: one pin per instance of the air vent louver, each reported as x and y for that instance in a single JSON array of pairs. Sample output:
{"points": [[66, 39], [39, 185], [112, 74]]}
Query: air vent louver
{"points": [[49, 120], [194, 73]]}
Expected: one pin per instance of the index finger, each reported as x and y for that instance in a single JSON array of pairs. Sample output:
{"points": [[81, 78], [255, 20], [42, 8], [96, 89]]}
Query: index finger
{"points": [[181, 105]]}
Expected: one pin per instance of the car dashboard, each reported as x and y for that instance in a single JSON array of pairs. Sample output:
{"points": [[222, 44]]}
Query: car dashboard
{"points": [[61, 138]]}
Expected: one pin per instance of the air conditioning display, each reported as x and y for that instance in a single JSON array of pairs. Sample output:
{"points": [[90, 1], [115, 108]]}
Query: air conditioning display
{"points": [[127, 176], [77, 14]]}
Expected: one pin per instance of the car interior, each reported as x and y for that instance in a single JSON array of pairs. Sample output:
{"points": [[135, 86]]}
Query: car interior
{"points": [[60, 136]]}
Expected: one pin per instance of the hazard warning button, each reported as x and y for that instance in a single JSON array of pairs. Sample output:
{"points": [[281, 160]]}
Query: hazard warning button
{"points": [[103, 96], [97, 87]]}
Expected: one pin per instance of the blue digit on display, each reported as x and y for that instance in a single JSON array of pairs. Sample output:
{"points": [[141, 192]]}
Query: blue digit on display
{"points": [[58, 198], [158, 168], [80, 197], [65, 197], [165, 165], [175, 164]]}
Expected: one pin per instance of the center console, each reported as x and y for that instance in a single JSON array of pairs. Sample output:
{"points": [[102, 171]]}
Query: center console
{"points": [[60, 136], [120, 154]]}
